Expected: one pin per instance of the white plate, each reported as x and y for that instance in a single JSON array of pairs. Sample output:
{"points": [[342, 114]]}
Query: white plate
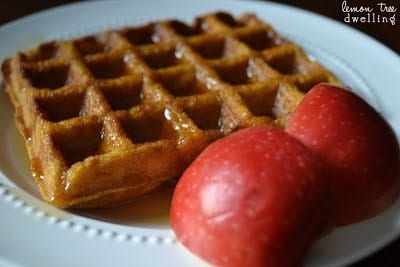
{"points": [[36, 234]]}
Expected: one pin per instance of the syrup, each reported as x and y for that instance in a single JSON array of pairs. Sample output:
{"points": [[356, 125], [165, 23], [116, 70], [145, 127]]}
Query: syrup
{"points": [[150, 210], [19, 173]]}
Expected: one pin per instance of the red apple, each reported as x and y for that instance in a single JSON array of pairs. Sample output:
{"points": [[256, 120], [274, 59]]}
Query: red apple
{"points": [[358, 146], [255, 198]]}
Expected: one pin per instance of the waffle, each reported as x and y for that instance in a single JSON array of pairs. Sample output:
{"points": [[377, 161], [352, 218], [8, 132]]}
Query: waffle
{"points": [[112, 116]]}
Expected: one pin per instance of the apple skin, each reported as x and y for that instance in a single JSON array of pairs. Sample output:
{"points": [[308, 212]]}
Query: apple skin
{"points": [[255, 198], [358, 147]]}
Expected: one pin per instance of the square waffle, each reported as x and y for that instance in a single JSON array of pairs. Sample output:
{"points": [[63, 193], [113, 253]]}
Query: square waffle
{"points": [[112, 116]]}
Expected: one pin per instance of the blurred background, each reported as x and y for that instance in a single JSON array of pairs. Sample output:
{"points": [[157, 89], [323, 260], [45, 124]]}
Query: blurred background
{"points": [[385, 33]]}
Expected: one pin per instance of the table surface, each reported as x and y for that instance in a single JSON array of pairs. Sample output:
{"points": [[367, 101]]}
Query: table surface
{"points": [[384, 32]]}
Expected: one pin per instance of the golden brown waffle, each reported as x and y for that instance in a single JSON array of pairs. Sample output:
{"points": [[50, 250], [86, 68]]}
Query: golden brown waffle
{"points": [[110, 117]]}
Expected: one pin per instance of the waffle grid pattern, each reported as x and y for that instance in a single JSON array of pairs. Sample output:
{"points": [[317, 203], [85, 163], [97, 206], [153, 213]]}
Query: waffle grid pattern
{"points": [[110, 117]]}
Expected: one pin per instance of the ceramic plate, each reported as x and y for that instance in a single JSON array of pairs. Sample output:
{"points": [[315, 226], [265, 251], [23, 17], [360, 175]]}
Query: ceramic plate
{"points": [[36, 234]]}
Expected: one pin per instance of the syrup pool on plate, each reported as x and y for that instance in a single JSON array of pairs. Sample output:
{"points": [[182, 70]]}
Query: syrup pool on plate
{"points": [[150, 210]]}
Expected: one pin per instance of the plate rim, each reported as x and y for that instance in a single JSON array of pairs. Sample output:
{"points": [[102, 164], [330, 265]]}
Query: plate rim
{"points": [[61, 9]]}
